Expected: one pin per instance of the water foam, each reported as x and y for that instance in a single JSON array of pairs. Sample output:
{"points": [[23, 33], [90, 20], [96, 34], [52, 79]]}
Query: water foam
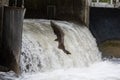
{"points": [[41, 52], [105, 70], [43, 60]]}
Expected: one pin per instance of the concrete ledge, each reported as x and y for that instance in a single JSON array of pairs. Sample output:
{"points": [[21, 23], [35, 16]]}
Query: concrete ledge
{"points": [[110, 48]]}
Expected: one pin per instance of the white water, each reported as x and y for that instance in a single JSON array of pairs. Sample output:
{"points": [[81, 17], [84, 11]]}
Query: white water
{"points": [[42, 60], [98, 71]]}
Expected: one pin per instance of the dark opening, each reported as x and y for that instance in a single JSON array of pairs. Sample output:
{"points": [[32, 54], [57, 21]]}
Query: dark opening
{"points": [[105, 23]]}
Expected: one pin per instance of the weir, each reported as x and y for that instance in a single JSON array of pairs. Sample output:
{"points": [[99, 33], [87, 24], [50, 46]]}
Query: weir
{"points": [[11, 21], [75, 11], [54, 50]]}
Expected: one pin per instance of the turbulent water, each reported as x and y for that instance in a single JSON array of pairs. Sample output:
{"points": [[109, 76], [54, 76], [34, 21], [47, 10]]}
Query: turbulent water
{"points": [[41, 58], [41, 52]]}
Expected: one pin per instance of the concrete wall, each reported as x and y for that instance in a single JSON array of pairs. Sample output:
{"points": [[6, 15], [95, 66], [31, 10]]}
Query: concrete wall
{"points": [[76, 10], [11, 38], [105, 23]]}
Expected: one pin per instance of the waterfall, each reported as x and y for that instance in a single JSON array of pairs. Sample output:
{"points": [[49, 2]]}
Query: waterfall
{"points": [[42, 59], [40, 51]]}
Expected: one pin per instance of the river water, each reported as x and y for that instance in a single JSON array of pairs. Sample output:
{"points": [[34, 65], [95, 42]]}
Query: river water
{"points": [[41, 59]]}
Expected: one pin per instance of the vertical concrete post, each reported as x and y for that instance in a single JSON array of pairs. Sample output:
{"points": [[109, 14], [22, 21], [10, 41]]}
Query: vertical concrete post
{"points": [[1, 24], [2, 4], [12, 37], [85, 12]]}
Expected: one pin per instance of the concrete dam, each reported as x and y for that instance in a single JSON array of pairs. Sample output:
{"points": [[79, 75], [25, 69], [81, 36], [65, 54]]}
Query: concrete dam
{"points": [[101, 18], [59, 40], [105, 26]]}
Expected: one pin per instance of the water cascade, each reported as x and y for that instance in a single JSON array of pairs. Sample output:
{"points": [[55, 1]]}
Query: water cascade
{"points": [[41, 52], [41, 59]]}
